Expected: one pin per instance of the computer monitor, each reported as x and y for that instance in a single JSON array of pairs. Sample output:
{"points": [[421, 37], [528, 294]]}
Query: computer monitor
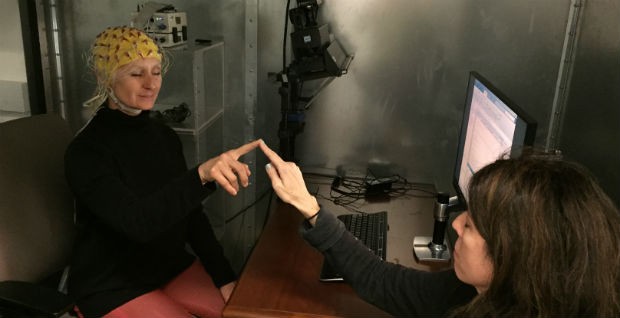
{"points": [[492, 125]]}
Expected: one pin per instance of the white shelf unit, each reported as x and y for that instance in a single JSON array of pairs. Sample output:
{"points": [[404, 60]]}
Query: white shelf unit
{"points": [[196, 77]]}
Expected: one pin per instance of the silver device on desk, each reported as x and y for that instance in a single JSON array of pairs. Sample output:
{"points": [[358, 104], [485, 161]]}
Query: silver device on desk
{"points": [[435, 248]]}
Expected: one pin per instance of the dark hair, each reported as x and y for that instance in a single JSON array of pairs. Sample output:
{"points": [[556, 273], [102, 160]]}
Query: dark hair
{"points": [[553, 236]]}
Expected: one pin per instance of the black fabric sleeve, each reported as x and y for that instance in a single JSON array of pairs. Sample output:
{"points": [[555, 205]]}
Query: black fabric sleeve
{"points": [[208, 249], [95, 179], [399, 290]]}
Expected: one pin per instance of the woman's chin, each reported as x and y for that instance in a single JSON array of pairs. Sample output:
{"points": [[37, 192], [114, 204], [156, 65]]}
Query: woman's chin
{"points": [[145, 106]]}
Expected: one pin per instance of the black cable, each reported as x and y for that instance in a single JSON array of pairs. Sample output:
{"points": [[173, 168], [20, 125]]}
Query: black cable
{"points": [[345, 192], [288, 4], [249, 206], [268, 207], [264, 223], [347, 206], [404, 189]]}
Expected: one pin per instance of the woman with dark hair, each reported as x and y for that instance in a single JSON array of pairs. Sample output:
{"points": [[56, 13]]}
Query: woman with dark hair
{"points": [[552, 236], [540, 238]]}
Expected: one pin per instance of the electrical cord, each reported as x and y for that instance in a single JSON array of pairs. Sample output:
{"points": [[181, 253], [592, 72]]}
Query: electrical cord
{"points": [[240, 212], [346, 192], [403, 186], [288, 5], [242, 223], [239, 242]]}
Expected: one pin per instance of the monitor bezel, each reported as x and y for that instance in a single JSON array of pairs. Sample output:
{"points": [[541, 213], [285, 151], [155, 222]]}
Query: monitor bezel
{"points": [[524, 122]]}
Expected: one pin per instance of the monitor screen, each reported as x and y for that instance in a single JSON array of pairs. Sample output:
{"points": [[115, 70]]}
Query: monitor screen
{"points": [[492, 126]]}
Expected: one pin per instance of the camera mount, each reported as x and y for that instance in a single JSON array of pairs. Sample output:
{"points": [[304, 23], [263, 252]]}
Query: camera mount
{"points": [[316, 56]]}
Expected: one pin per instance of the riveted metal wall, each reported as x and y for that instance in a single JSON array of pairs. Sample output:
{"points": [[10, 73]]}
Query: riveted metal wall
{"points": [[590, 130], [401, 103]]}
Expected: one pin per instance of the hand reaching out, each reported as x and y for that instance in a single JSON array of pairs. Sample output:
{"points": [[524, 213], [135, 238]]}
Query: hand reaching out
{"points": [[226, 170], [288, 183]]}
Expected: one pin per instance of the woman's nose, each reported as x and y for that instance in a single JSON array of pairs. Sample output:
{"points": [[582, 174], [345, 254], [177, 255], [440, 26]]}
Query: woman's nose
{"points": [[457, 224], [150, 81]]}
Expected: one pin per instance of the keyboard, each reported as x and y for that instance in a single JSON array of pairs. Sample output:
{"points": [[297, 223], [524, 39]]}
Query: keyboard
{"points": [[370, 228]]}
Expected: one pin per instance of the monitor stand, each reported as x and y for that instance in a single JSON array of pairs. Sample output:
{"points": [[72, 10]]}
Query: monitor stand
{"points": [[435, 248], [427, 251]]}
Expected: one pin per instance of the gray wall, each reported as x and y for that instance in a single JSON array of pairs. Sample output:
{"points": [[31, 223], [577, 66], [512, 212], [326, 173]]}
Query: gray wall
{"points": [[13, 101], [591, 127], [401, 103], [12, 60]]}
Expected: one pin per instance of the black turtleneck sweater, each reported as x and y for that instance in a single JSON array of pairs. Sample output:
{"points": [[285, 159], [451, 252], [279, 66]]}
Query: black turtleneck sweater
{"points": [[138, 208]]}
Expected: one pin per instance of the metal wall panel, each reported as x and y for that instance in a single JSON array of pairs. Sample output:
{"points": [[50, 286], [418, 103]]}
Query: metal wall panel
{"points": [[591, 126], [401, 103]]}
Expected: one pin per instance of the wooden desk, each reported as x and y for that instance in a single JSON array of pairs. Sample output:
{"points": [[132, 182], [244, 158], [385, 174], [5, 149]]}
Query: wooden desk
{"points": [[280, 278]]}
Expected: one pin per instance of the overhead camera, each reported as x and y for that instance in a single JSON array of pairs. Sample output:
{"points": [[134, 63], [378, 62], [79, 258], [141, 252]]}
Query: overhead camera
{"points": [[316, 54]]}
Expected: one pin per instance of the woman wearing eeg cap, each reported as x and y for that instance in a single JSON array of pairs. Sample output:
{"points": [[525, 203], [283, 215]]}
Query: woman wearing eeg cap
{"points": [[138, 205]]}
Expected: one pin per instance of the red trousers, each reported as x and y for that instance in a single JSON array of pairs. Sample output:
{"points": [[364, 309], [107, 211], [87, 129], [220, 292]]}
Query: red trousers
{"points": [[190, 294]]}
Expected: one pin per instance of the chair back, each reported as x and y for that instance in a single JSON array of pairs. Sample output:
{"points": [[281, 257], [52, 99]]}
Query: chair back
{"points": [[36, 205]]}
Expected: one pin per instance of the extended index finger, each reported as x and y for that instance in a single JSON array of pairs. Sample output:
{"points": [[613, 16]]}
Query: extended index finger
{"points": [[271, 155], [238, 152]]}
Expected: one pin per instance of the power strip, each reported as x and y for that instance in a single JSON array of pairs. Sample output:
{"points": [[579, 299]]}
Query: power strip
{"points": [[380, 186]]}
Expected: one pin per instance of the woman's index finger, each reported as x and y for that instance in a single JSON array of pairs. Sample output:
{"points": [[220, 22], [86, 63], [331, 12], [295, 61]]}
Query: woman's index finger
{"points": [[271, 155], [246, 148]]}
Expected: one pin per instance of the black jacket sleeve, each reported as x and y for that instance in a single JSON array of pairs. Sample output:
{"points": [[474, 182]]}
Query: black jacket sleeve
{"points": [[206, 246], [95, 179], [399, 290]]}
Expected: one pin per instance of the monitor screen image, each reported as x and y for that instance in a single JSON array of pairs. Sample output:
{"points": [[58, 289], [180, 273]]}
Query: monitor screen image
{"points": [[492, 126]]}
